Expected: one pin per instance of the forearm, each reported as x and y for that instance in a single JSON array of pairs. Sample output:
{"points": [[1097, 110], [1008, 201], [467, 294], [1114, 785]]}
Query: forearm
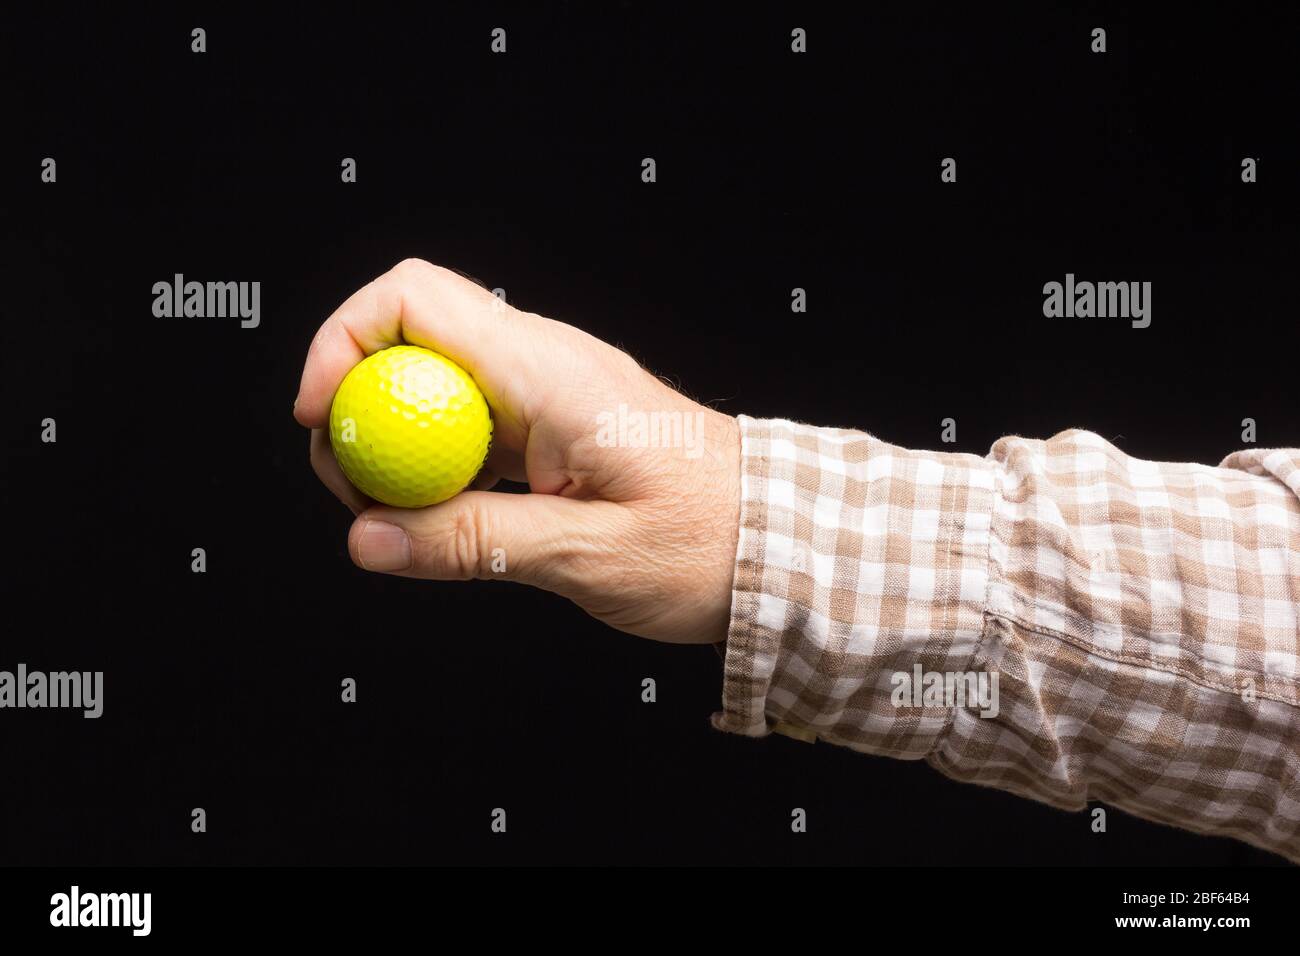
{"points": [[1126, 629]]}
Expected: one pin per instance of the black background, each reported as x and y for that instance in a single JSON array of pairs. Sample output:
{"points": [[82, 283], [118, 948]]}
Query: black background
{"points": [[775, 170]]}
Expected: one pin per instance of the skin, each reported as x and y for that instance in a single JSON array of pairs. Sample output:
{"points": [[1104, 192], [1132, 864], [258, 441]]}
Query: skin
{"points": [[643, 539]]}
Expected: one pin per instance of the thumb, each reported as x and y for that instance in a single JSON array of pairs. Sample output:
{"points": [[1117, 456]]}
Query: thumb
{"points": [[542, 540]]}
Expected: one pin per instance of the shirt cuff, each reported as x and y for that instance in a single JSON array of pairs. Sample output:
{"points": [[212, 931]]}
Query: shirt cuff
{"points": [[861, 569]]}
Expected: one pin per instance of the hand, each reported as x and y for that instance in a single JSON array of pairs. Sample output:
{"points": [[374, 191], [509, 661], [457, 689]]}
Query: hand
{"points": [[636, 526]]}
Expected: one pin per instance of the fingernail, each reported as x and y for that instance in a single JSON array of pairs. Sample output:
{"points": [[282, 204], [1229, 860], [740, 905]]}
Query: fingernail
{"points": [[383, 547]]}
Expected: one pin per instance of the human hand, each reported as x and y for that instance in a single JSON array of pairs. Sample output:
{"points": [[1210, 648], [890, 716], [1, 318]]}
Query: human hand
{"points": [[640, 533]]}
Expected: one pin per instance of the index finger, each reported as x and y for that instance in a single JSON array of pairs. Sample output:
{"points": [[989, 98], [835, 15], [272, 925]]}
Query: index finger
{"points": [[418, 303]]}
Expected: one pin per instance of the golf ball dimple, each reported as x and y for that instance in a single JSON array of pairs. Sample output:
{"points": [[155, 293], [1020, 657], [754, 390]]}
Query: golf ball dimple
{"points": [[409, 427]]}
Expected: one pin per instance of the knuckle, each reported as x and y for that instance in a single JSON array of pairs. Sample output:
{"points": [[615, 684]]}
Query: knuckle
{"points": [[468, 545], [412, 268]]}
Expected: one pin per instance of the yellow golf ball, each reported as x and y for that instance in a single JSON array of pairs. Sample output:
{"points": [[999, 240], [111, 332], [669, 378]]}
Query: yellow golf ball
{"points": [[409, 427]]}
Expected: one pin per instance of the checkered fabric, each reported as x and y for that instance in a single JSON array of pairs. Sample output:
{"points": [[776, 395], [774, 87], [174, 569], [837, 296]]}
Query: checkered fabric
{"points": [[1140, 619]]}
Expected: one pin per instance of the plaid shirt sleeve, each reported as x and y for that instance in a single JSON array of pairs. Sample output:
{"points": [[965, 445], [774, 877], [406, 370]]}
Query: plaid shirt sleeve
{"points": [[1056, 619]]}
